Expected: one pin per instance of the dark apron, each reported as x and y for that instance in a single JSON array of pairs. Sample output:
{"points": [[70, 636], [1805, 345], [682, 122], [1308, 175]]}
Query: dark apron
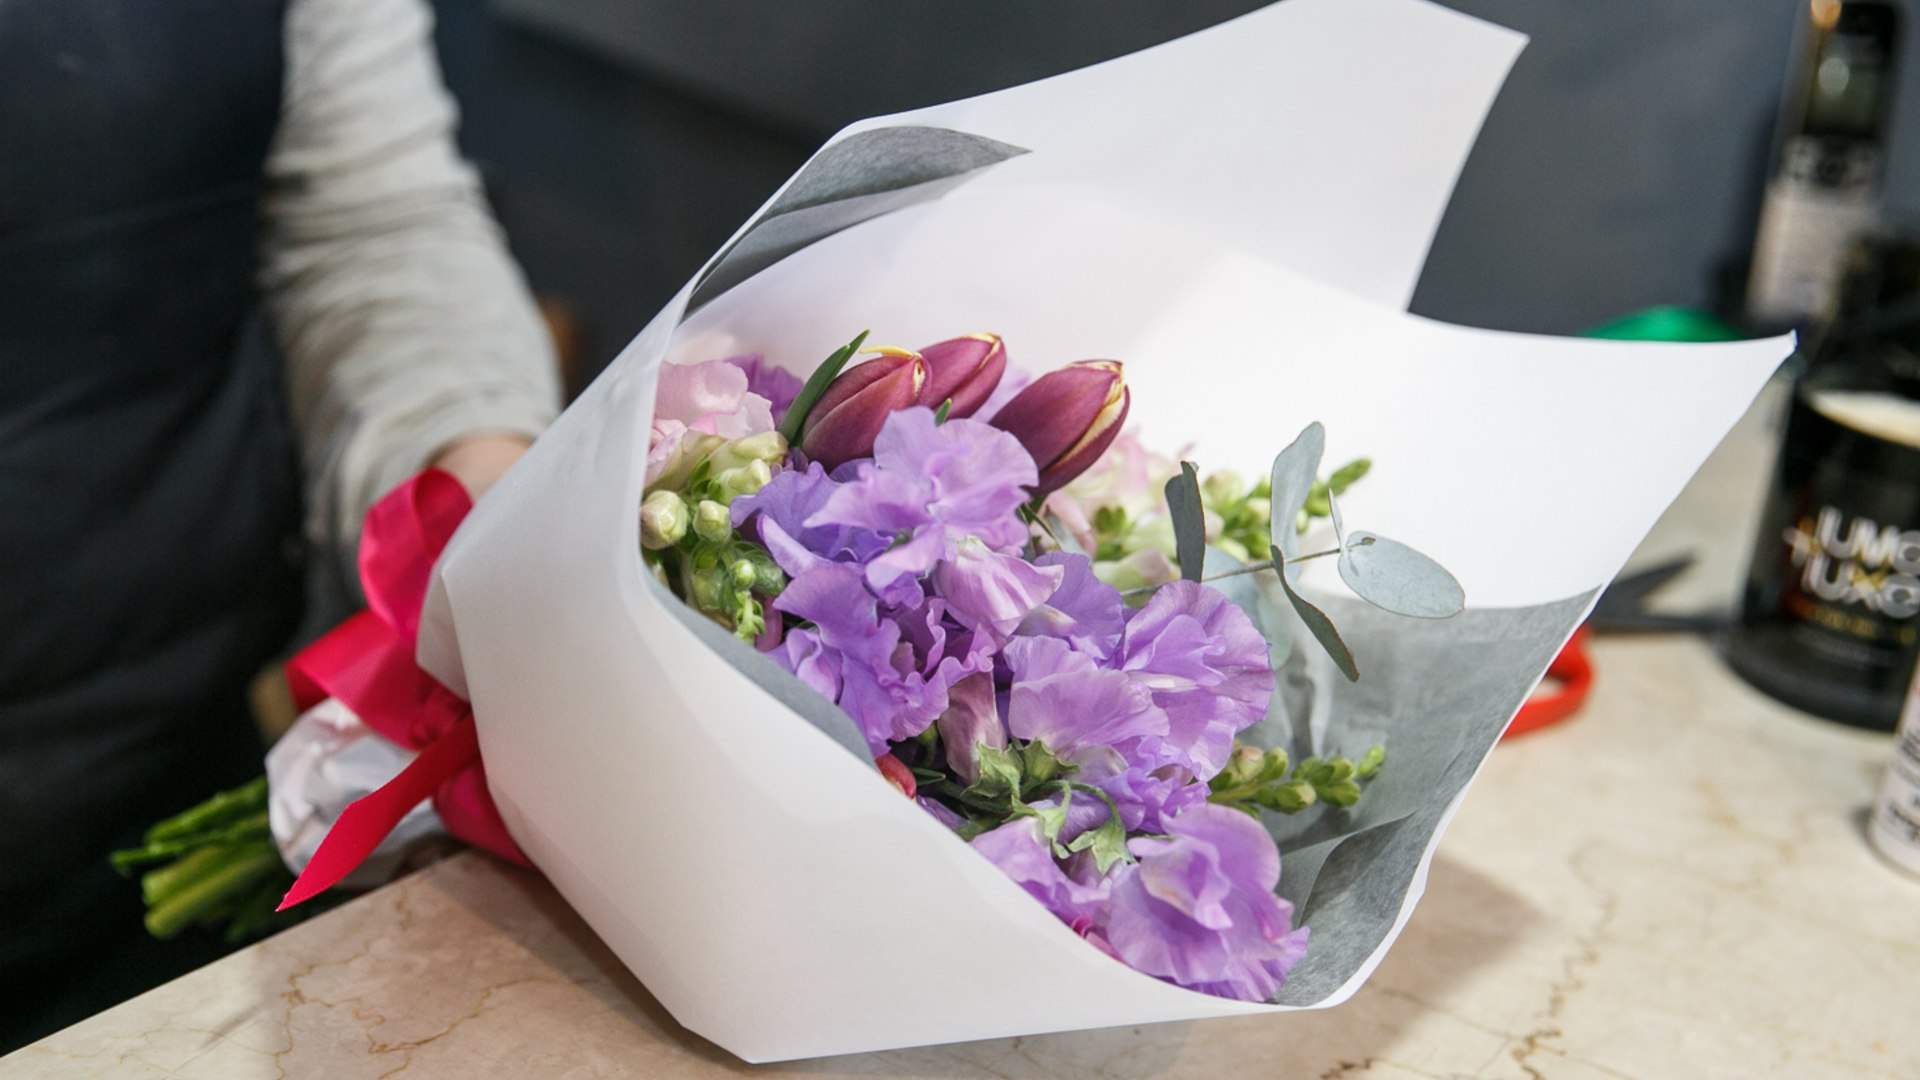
{"points": [[149, 502]]}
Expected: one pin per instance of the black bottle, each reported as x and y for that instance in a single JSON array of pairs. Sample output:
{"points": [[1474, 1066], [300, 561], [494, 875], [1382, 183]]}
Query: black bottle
{"points": [[1830, 616]]}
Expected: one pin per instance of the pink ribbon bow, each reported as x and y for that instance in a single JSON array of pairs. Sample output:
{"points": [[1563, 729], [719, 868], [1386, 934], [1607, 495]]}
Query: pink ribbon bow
{"points": [[367, 663]]}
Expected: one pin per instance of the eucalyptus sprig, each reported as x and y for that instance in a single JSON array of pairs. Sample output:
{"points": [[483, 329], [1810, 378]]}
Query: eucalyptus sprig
{"points": [[1386, 573]]}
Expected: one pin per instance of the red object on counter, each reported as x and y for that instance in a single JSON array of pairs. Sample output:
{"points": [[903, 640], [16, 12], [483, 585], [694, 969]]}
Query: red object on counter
{"points": [[1572, 671]]}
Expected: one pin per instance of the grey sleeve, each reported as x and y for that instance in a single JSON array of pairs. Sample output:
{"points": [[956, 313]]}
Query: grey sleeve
{"points": [[404, 323]]}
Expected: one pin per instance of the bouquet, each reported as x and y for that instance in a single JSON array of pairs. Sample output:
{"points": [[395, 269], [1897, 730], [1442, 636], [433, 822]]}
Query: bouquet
{"points": [[860, 705], [954, 585]]}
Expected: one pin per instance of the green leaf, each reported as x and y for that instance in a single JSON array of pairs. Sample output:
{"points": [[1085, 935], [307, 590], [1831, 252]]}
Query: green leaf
{"points": [[1292, 479], [1394, 577], [1041, 765], [1189, 521], [1318, 623], [1052, 818], [1108, 843], [1000, 771], [809, 396]]}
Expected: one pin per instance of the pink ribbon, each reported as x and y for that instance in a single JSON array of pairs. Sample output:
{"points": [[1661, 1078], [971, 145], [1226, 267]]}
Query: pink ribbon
{"points": [[367, 663]]}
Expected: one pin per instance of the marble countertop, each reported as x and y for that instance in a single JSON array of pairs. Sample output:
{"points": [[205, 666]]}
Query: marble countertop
{"points": [[1672, 884]]}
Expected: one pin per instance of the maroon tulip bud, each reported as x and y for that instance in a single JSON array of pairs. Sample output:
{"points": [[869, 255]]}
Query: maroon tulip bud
{"points": [[964, 371], [1067, 418], [848, 417]]}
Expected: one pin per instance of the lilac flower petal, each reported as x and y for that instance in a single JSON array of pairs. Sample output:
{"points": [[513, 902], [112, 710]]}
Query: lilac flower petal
{"points": [[778, 385], [971, 720], [940, 813], [979, 474], [885, 501], [1084, 611], [1019, 849], [909, 560], [1198, 908], [784, 506], [984, 588], [1206, 666], [1061, 698]]}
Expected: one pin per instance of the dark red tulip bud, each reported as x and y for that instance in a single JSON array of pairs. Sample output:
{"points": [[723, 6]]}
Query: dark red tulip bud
{"points": [[848, 417], [964, 371], [1067, 418]]}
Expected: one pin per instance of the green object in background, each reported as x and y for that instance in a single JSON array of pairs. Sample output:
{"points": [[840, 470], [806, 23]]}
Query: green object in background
{"points": [[1667, 324]]}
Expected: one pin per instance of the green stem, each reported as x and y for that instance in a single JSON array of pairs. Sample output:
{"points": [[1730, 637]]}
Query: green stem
{"points": [[157, 886], [1250, 568], [215, 811], [241, 869]]}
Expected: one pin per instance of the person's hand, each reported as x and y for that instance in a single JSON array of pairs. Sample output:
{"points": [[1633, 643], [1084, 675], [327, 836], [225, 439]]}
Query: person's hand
{"points": [[480, 460]]}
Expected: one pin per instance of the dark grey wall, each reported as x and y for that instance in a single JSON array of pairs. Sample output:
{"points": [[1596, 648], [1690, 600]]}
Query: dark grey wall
{"points": [[1619, 168]]}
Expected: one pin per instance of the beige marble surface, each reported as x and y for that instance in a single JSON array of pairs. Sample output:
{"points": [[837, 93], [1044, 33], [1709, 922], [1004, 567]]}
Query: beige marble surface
{"points": [[1673, 884]]}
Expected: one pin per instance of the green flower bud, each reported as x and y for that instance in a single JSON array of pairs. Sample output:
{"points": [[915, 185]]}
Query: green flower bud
{"points": [[1370, 763], [743, 480], [1273, 764], [767, 448], [1136, 571], [1223, 487], [768, 578], [743, 573], [707, 588], [1288, 798], [1340, 792], [1241, 768], [663, 520], [712, 522], [1258, 507]]}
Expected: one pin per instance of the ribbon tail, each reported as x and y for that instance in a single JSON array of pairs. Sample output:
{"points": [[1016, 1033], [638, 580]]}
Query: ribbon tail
{"points": [[363, 825]]}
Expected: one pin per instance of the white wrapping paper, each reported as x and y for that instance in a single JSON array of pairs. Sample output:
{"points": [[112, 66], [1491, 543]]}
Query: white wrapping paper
{"points": [[1240, 216]]}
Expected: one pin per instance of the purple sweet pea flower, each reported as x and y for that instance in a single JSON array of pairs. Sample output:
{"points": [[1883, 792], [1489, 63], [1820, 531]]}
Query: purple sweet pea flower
{"points": [[778, 385], [972, 719], [1147, 795], [1207, 667], [1198, 909], [776, 515], [1020, 850], [1062, 698], [1084, 611], [858, 659], [953, 491], [940, 813]]}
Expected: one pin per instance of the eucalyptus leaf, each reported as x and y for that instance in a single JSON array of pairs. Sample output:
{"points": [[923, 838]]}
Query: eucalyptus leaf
{"points": [[1394, 577], [1294, 472], [1333, 511], [1189, 521], [1319, 625]]}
